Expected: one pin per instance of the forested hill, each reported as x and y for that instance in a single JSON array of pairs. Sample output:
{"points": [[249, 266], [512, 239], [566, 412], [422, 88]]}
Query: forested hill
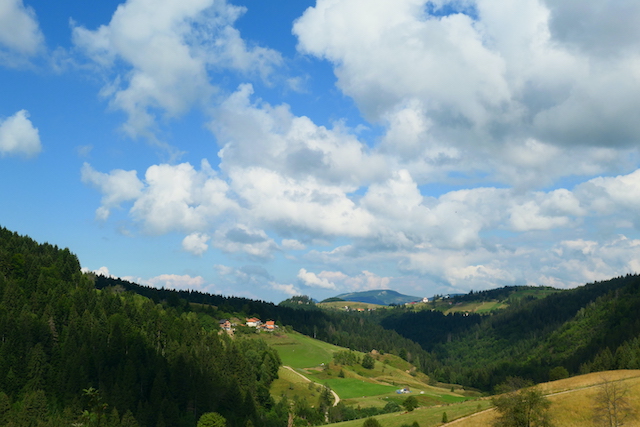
{"points": [[589, 328], [71, 354], [342, 329]]}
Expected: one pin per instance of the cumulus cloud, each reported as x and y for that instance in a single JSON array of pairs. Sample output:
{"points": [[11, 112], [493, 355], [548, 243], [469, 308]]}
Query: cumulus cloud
{"points": [[292, 244], [20, 33], [168, 49], [478, 88], [292, 145], [117, 186], [481, 110], [196, 243], [308, 278], [288, 289], [240, 238], [179, 197], [18, 136]]}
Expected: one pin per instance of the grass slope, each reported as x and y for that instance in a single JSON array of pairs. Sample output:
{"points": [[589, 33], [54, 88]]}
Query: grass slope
{"points": [[359, 386], [572, 400]]}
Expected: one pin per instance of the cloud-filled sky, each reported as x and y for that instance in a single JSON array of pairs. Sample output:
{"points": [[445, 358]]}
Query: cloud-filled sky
{"points": [[271, 148]]}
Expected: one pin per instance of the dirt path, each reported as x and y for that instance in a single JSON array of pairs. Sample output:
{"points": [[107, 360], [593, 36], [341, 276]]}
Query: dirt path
{"points": [[336, 398]]}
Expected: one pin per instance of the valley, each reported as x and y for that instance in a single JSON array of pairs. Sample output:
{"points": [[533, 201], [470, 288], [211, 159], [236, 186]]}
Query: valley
{"points": [[78, 348]]}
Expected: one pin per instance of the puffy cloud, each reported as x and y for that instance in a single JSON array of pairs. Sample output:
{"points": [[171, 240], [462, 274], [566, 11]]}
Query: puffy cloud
{"points": [[117, 186], [337, 280], [240, 238], [196, 243], [170, 197], [310, 279], [292, 244], [492, 90], [607, 195], [294, 146], [180, 198], [607, 28], [288, 289], [18, 136], [305, 206], [20, 33], [168, 48], [393, 48]]}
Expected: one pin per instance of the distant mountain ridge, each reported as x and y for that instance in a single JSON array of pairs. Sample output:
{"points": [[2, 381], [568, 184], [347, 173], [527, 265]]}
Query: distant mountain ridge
{"points": [[378, 296]]}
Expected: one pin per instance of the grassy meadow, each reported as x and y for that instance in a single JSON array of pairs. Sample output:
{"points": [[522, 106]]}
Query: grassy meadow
{"points": [[572, 400], [354, 384]]}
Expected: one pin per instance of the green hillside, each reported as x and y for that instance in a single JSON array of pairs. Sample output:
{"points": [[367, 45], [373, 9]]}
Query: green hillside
{"points": [[370, 390], [589, 328]]}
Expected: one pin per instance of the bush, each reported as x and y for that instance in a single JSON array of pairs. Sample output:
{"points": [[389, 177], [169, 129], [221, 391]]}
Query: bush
{"points": [[410, 403], [368, 362], [371, 422]]}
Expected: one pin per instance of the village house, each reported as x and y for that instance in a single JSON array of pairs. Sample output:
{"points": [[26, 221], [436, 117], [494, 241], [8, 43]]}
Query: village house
{"points": [[225, 324], [254, 322], [270, 325]]}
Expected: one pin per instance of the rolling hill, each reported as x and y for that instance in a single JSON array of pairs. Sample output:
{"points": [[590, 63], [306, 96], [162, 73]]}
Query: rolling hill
{"points": [[380, 297]]}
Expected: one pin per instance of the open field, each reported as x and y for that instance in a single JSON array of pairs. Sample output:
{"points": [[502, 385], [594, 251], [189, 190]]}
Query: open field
{"points": [[300, 351], [290, 384], [355, 384], [572, 405], [425, 416], [572, 399], [353, 305], [479, 307]]}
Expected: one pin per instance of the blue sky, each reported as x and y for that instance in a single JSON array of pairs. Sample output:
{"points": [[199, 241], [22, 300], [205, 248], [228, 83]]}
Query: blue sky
{"points": [[272, 148]]}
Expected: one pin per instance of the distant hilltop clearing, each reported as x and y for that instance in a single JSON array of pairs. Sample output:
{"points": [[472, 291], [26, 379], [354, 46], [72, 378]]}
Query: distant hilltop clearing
{"points": [[379, 296]]}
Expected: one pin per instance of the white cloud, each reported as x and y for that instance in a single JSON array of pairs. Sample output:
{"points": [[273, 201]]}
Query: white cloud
{"points": [[288, 289], [116, 187], [168, 48], [310, 279], [102, 271], [607, 195], [18, 136], [294, 146], [500, 92], [475, 117], [19, 31], [196, 243], [181, 198], [176, 282], [292, 244], [240, 238]]}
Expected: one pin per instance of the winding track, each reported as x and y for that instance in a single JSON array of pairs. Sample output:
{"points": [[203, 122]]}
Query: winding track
{"points": [[336, 398]]}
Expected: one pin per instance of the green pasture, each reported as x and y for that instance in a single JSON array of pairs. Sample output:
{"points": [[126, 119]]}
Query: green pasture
{"points": [[290, 384], [348, 388], [353, 305], [425, 416], [300, 351]]}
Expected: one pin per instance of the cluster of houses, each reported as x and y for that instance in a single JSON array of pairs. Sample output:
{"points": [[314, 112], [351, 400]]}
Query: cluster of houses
{"points": [[347, 308], [253, 322], [423, 300]]}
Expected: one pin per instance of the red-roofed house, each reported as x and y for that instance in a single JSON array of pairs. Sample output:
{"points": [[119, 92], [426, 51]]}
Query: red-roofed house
{"points": [[270, 325], [254, 322]]}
